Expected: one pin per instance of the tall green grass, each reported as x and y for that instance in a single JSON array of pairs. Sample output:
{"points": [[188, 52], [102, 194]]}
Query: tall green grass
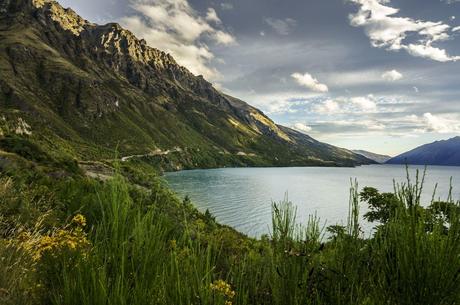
{"points": [[149, 249], [136, 259], [415, 259]]}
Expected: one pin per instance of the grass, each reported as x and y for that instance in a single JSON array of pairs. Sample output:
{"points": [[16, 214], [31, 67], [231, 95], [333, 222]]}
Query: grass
{"points": [[138, 247]]}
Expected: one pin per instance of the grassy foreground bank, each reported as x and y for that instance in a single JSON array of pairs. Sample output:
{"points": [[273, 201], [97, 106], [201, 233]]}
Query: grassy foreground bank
{"points": [[69, 239]]}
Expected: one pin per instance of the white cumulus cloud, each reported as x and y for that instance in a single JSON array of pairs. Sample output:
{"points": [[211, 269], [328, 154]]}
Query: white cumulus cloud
{"points": [[427, 51], [365, 103], [304, 128], [347, 105], [308, 81], [392, 75], [327, 107], [175, 27], [385, 30], [441, 124]]}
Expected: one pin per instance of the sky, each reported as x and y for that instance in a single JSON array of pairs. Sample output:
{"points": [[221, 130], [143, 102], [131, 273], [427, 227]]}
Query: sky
{"points": [[378, 75]]}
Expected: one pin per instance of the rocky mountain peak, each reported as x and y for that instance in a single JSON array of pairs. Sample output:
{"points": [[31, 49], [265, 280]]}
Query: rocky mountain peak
{"points": [[115, 40], [122, 52], [66, 18], [119, 48], [46, 10]]}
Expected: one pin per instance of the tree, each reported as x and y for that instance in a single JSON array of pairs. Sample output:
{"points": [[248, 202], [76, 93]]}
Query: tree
{"points": [[381, 205], [443, 212]]}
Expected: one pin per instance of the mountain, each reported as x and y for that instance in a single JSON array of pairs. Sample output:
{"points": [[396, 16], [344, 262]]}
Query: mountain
{"points": [[445, 152], [92, 91], [373, 156]]}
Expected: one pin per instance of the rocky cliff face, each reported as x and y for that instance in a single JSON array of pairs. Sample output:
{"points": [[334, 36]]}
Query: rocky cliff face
{"points": [[121, 51], [100, 85]]}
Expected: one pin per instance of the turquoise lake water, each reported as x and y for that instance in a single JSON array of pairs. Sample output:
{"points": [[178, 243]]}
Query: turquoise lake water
{"points": [[242, 197]]}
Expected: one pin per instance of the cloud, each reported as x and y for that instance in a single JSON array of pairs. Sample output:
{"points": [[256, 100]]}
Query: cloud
{"points": [[224, 38], [362, 124], [175, 27], [281, 26], [392, 75], [344, 105], [301, 127], [441, 124], [281, 104], [387, 31], [354, 78], [365, 103], [361, 80], [308, 81], [456, 29], [349, 128], [327, 107], [211, 16], [372, 128], [427, 51], [226, 6]]}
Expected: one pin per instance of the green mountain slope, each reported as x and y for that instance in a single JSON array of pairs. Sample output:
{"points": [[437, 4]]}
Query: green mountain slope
{"points": [[85, 90]]}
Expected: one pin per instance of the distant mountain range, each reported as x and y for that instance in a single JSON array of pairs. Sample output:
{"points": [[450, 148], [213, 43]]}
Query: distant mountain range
{"points": [[373, 156], [86, 90], [445, 152]]}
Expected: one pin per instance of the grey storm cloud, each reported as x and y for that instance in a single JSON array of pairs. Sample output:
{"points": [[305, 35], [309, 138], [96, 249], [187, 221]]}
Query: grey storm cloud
{"points": [[281, 26]]}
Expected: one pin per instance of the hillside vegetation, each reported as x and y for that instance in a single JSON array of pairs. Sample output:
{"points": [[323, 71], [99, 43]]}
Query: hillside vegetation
{"points": [[70, 239]]}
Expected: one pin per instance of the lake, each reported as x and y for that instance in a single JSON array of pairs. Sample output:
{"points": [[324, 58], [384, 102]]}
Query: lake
{"points": [[242, 197]]}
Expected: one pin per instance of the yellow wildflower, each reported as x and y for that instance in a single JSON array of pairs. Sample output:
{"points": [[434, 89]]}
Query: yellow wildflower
{"points": [[59, 241], [79, 220], [223, 288]]}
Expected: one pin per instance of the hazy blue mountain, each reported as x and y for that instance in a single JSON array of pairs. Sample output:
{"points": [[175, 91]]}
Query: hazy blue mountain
{"points": [[373, 156], [445, 152]]}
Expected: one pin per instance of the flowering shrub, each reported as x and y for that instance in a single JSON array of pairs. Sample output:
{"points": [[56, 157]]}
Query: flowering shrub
{"points": [[223, 289], [63, 241], [48, 253]]}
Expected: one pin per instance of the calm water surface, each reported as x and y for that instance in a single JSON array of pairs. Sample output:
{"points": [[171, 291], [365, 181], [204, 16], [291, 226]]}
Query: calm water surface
{"points": [[242, 197]]}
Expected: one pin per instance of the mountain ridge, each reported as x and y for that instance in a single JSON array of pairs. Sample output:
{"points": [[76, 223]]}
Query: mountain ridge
{"points": [[373, 156], [92, 88], [441, 152]]}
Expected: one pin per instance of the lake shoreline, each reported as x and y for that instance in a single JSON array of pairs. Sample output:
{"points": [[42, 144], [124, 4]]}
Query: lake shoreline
{"points": [[248, 192]]}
